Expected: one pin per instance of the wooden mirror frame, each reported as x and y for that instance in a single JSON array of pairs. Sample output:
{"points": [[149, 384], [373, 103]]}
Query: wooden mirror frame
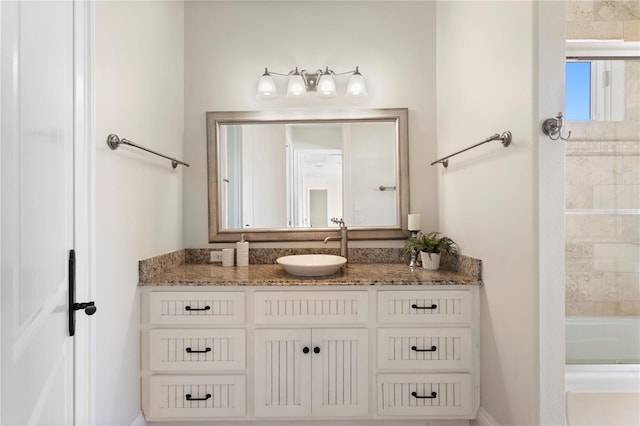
{"points": [[216, 119]]}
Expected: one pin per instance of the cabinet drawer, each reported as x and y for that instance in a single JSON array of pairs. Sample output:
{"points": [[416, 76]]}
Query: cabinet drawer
{"points": [[425, 395], [424, 306], [318, 307], [196, 397], [196, 307], [424, 348], [187, 350]]}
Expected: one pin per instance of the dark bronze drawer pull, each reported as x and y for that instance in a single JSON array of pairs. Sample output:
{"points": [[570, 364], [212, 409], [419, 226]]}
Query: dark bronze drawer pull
{"points": [[191, 351], [433, 395], [189, 308], [433, 306], [415, 348], [188, 397]]}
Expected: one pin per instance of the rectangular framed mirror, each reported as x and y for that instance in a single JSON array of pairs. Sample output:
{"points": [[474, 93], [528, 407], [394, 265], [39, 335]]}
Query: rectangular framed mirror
{"points": [[281, 176]]}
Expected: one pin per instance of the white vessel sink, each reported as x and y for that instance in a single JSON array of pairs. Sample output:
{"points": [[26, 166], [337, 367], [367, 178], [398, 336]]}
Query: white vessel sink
{"points": [[311, 265]]}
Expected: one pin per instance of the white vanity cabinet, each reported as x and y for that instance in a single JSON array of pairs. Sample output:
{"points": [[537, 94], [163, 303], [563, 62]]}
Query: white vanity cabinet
{"points": [[261, 353], [315, 369], [193, 350], [427, 346], [311, 372]]}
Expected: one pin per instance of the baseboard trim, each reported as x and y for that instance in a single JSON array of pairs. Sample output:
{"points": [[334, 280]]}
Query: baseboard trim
{"points": [[484, 418], [139, 421]]}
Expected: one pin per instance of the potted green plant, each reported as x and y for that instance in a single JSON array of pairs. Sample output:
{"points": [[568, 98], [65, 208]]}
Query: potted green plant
{"points": [[430, 246]]}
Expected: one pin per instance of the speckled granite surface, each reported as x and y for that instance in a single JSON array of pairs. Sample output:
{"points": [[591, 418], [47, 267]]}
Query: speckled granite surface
{"points": [[158, 264], [268, 256], [366, 267], [259, 275]]}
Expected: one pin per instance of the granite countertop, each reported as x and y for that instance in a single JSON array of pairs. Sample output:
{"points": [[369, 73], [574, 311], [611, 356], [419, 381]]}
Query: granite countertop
{"points": [[191, 274]]}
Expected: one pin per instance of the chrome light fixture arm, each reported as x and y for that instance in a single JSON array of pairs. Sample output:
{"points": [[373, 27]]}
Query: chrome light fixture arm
{"points": [[311, 81]]}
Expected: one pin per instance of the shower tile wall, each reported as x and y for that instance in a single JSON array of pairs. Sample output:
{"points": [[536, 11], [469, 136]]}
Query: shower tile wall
{"points": [[603, 206], [612, 20], [603, 176]]}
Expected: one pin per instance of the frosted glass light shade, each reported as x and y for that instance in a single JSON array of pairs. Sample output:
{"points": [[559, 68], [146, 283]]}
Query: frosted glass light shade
{"points": [[356, 86], [326, 86], [267, 88], [296, 87]]}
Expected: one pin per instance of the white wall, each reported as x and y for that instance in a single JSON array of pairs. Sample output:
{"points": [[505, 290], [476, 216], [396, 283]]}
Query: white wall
{"points": [[264, 166], [372, 160], [139, 96], [228, 44], [505, 205], [488, 197]]}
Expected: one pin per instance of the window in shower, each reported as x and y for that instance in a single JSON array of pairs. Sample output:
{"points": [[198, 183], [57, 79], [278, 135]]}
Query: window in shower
{"points": [[595, 90], [603, 229], [577, 88]]}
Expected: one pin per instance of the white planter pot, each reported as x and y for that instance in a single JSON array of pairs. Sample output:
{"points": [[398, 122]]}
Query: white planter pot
{"points": [[430, 261]]}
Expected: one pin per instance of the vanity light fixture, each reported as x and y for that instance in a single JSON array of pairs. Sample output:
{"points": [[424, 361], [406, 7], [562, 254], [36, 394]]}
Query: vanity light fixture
{"points": [[302, 82]]}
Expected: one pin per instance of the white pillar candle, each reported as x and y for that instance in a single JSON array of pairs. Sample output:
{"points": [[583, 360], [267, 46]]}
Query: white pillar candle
{"points": [[414, 222]]}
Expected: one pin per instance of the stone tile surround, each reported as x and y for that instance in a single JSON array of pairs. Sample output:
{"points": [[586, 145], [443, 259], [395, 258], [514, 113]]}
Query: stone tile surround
{"points": [[603, 180], [608, 19], [602, 227]]}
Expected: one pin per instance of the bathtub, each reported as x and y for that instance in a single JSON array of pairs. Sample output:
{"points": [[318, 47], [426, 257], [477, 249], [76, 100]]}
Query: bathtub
{"points": [[603, 354], [603, 340]]}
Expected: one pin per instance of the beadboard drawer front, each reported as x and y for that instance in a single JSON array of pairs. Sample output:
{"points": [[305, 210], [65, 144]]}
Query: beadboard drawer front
{"points": [[197, 307], [191, 397], [317, 307], [425, 395], [202, 350], [424, 348], [424, 306]]}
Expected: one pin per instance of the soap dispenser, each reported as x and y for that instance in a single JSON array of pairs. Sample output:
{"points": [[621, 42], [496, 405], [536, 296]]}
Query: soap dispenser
{"points": [[242, 252]]}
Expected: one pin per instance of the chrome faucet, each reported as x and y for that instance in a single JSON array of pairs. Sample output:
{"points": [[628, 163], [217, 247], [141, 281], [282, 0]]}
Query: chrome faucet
{"points": [[343, 237]]}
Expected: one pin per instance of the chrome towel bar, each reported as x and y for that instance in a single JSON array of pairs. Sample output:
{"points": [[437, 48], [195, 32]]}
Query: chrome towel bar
{"points": [[505, 137], [114, 142]]}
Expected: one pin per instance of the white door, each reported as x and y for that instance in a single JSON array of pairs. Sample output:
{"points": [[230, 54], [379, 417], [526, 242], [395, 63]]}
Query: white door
{"points": [[340, 372], [282, 373], [36, 212]]}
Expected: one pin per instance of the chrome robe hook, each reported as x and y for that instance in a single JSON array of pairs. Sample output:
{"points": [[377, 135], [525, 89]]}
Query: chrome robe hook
{"points": [[552, 127]]}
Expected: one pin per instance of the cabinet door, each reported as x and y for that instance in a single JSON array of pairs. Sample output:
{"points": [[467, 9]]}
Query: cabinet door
{"points": [[340, 372], [282, 373]]}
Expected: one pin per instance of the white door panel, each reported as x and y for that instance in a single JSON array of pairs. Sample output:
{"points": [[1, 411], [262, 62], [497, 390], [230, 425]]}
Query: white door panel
{"points": [[340, 372], [282, 373], [37, 212]]}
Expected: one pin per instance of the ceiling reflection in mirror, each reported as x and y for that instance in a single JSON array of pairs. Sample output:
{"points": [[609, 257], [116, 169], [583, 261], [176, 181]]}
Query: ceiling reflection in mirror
{"points": [[291, 175]]}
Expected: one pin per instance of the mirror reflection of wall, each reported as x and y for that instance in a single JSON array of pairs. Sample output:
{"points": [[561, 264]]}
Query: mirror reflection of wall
{"points": [[299, 175], [315, 165], [252, 173], [371, 164], [231, 172], [318, 210]]}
